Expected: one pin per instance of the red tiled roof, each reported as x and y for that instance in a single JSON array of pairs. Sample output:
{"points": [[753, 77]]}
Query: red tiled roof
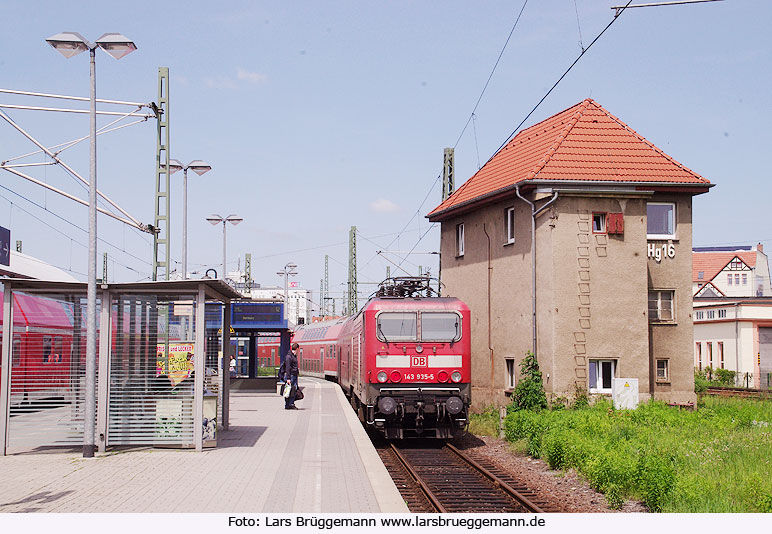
{"points": [[712, 263], [583, 143]]}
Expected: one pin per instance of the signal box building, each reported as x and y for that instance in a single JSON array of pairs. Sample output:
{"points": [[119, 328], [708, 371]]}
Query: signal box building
{"points": [[575, 239]]}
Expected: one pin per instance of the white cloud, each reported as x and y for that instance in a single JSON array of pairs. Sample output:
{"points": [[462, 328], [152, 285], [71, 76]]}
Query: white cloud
{"points": [[220, 82], [252, 77], [383, 205], [230, 82]]}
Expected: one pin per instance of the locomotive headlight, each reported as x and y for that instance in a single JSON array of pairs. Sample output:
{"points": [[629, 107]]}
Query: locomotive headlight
{"points": [[387, 405], [382, 376], [454, 405], [455, 376]]}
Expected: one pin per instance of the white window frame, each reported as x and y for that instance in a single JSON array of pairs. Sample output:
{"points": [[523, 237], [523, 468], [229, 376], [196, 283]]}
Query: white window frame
{"points": [[510, 364], [675, 228], [729, 279], [459, 240], [711, 314], [700, 315], [599, 375], [722, 314], [510, 223], [603, 218], [658, 318], [666, 378]]}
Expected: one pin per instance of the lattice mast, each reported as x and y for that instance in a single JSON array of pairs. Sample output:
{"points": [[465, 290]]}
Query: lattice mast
{"points": [[353, 305], [448, 173], [161, 254]]}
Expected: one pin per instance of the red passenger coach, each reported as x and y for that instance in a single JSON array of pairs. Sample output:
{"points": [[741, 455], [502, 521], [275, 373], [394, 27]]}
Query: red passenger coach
{"points": [[318, 353], [404, 362]]}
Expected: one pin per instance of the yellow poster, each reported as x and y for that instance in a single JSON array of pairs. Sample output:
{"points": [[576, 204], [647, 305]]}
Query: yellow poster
{"points": [[180, 361]]}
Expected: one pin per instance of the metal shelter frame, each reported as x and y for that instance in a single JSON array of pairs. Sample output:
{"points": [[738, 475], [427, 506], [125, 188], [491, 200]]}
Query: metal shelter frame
{"points": [[204, 290]]}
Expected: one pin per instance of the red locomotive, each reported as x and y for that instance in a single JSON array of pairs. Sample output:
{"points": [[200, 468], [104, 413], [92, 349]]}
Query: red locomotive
{"points": [[403, 360]]}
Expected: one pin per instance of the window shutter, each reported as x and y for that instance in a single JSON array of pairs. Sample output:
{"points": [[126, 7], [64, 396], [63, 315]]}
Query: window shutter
{"points": [[616, 223]]}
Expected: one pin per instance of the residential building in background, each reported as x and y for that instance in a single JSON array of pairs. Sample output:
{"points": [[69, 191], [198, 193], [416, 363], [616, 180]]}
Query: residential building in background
{"points": [[600, 285], [730, 272]]}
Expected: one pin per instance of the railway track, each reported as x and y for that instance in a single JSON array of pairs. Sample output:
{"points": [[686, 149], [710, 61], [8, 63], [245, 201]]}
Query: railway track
{"points": [[440, 478], [739, 392]]}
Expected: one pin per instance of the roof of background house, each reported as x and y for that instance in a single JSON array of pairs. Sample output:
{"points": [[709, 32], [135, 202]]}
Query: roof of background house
{"points": [[583, 143], [712, 263]]}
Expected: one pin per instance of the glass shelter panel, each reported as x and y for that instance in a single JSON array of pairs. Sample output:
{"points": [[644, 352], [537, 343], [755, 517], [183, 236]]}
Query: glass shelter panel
{"points": [[48, 371]]}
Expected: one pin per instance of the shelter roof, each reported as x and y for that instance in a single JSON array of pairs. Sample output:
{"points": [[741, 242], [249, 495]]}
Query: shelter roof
{"points": [[584, 143]]}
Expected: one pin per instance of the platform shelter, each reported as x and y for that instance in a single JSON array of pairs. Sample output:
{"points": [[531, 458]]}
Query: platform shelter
{"points": [[161, 381]]}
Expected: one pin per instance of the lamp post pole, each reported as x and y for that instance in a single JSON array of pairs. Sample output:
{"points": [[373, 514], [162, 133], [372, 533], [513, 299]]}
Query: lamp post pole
{"points": [[217, 219], [70, 44], [199, 167], [289, 270]]}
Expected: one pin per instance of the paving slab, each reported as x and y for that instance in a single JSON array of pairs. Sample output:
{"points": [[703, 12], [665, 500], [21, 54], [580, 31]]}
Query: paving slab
{"points": [[317, 459]]}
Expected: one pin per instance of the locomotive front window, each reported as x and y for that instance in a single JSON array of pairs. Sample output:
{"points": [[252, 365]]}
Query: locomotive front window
{"points": [[393, 326], [440, 326]]}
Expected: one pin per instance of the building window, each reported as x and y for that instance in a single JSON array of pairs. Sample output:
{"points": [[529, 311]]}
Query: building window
{"points": [[510, 216], [700, 275], [661, 306], [709, 354], [510, 372], [737, 279], [711, 314], [698, 354], [736, 264], [663, 370], [721, 354], [729, 279], [601, 373], [598, 223], [700, 315], [722, 314], [660, 220], [745, 279], [460, 239]]}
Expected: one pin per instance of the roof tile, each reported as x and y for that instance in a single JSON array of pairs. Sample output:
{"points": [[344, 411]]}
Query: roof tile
{"points": [[585, 143]]}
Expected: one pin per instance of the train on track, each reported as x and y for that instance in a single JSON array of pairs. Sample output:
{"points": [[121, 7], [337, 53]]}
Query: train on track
{"points": [[403, 360]]}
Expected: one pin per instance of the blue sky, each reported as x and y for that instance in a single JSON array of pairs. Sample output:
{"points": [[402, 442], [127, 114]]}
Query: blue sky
{"points": [[317, 116]]}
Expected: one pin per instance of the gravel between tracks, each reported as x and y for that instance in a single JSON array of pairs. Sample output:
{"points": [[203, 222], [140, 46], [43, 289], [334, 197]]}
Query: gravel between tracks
{"points": [[568, 491]]}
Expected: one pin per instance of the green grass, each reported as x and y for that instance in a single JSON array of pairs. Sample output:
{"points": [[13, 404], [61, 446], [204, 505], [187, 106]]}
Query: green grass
{"points": [[485, 423], [715, 459]]}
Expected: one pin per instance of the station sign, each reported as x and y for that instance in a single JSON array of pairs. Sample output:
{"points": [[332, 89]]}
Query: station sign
{"points": [[294, 285], [5, 246]]}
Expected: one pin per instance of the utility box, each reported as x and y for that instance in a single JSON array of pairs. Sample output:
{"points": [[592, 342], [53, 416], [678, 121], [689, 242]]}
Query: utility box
{"points": [[624, 393]]}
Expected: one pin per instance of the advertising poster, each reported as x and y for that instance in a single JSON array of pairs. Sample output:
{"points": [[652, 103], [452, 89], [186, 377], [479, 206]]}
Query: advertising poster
{"points": [[180, 361]]}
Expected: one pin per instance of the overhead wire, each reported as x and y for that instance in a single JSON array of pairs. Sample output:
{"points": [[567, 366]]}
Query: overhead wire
{"points": [[543, 98]]}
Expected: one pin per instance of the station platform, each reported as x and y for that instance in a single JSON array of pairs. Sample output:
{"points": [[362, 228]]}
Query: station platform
{"points": [[317, 459]]}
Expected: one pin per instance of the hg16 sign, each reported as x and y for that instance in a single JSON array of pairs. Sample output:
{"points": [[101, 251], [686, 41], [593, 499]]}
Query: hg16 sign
{"points": [[666, 250]]}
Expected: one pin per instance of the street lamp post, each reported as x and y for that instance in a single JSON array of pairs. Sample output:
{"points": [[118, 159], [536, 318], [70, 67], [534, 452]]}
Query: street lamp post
{"points": [[70, 44], [217, 219], [199, 167], [289, 270]]}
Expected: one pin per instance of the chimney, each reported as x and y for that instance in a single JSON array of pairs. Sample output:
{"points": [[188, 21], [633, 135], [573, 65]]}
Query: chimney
{"points": [[760, 248]]}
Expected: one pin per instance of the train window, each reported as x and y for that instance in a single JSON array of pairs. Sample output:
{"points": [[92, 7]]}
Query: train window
{"points": [[46, 348], [16, 352], [56, 357], [395, 326], [321, 353], [440, 326]]}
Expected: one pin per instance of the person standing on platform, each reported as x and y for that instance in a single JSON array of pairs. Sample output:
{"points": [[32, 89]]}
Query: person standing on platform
{"points": [[289, 369]]}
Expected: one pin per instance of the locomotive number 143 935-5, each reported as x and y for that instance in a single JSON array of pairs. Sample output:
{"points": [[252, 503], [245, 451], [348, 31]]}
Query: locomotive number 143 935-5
{"points": [[419, 376]]}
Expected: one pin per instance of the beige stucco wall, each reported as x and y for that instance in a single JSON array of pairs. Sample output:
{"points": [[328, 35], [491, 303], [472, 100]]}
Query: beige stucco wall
{"points": [[592, 293], [674, 341]]}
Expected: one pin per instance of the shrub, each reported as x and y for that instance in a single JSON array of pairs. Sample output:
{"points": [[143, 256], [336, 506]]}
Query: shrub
{"points": [[724, 377], [556, 449], [614, 497], [655, 479], [700, 382], [529, 392]]}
